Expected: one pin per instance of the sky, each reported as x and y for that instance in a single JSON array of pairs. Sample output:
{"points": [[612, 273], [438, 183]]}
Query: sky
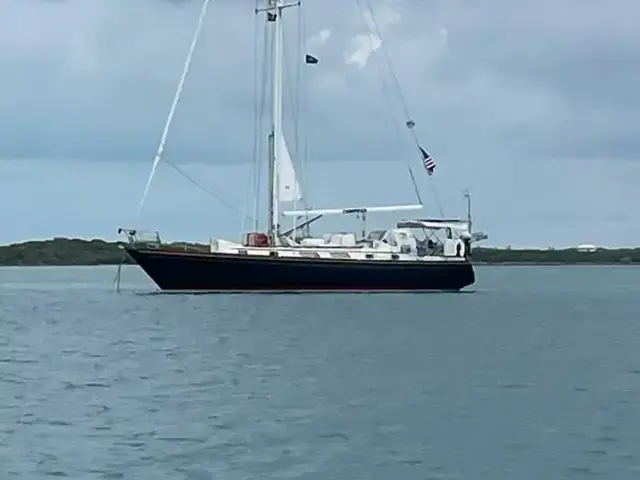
{"points": [[533, 106]]}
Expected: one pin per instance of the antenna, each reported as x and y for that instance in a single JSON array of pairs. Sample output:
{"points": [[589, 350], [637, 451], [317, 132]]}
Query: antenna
{"points": [[415, 185], [467, 194]]}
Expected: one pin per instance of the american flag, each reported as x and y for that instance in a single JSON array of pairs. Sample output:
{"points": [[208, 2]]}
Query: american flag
{"points": [[427, 161]]}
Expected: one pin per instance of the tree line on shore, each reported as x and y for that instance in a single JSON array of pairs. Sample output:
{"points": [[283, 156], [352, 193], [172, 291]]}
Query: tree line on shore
{"points": [[67, 251]]}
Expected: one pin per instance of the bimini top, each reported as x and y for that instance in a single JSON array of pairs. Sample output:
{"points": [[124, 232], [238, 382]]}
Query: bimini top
{"points": [[434, 223]]}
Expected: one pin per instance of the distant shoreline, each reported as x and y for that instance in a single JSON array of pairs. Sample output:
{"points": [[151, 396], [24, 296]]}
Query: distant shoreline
{"points": [[80, 252], [556, 264], [475, 264]]}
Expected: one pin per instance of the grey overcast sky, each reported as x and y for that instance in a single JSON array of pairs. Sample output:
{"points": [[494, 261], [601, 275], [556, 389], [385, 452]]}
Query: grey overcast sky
{"points": [[533, 105]]}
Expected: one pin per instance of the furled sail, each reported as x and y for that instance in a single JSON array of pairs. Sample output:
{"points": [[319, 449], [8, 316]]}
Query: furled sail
{"points": [[288, 187]]}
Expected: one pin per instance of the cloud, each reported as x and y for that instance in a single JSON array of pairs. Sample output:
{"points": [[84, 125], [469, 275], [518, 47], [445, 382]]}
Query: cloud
{"points": [[362, 46], [360, 49], [504, 94], [95, 79], [381, 15], [320, 38]]}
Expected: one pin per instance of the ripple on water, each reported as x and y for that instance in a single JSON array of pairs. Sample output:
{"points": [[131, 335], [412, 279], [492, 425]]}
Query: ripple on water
{"points": [[512, 382]]}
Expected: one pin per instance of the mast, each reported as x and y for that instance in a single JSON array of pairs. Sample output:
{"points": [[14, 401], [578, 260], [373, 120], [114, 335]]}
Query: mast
{"points": [[273, 202], [277, 113], [274, 9]]}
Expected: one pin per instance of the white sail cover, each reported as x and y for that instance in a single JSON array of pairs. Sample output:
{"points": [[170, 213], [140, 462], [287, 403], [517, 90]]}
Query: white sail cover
{"points": [[288, 186]]}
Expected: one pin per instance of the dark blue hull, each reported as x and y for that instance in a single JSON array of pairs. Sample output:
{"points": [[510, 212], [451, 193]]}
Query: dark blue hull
{"points": [[218, 272]]}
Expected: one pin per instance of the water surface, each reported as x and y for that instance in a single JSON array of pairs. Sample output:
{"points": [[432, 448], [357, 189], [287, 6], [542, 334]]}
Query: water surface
{"points": [[536, 375]]}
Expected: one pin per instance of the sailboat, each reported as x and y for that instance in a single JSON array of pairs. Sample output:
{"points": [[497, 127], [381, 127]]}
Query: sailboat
{"points": [[414, 255]]}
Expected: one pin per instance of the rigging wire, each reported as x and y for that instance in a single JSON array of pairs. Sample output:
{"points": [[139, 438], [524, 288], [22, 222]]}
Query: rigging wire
{"points": [[301, 102], [303, 91], [210, 190], [409, 122], [266, 90], [176, 99], [294, 82], [301, 53], [298, 85], [386, 91], [254, 171], [174, 104], [254, 151], [304, 160]]}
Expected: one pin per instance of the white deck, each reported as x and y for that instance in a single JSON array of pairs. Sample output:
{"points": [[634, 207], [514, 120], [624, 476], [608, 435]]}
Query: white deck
{"points": [[396, 244]]}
